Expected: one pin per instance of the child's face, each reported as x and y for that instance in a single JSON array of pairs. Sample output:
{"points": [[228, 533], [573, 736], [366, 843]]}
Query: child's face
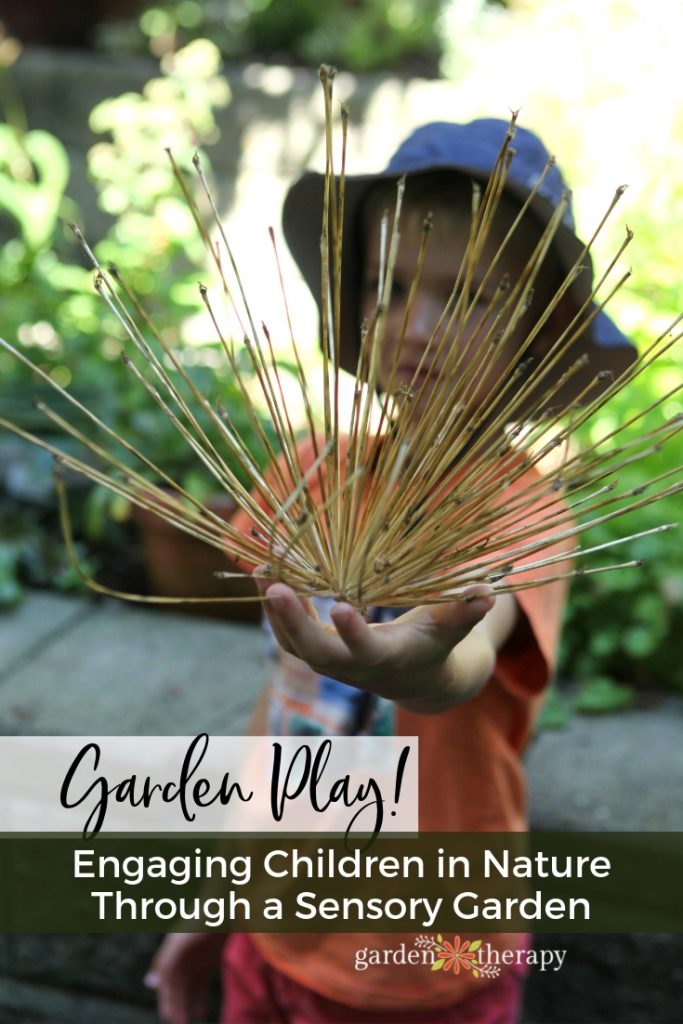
{"points": [[444, 255]]}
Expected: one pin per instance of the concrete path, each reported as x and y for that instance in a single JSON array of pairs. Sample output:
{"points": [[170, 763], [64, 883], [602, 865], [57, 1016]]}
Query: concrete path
{"points": [[614, 772], [75, 666], [78, 666]]}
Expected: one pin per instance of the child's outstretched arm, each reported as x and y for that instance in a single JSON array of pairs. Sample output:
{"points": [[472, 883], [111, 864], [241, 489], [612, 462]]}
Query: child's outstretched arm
{"points": [[428, 660]]}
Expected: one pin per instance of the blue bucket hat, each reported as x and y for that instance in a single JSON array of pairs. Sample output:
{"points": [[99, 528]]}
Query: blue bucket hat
{"points": [[470, 151]]}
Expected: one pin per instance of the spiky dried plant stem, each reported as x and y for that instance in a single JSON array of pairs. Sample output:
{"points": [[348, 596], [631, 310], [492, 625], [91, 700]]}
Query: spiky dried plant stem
{"points": [[409, 508]]}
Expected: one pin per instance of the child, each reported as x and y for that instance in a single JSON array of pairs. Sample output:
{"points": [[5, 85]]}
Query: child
{"points": [[466, 678]]}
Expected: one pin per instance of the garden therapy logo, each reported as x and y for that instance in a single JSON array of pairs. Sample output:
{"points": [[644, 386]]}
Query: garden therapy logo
{"points": [[474, 956], [457, 955]]}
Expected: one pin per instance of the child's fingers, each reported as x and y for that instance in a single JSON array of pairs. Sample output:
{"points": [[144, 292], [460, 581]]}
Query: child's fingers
{"points": [[456, 619], [279, 632], [278, 625], [270, 610], [362, 642], [310, 608], [306, 637]]}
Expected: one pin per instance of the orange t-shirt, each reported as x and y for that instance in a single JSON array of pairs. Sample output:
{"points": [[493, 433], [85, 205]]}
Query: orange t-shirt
{"points": [[476, 746]]}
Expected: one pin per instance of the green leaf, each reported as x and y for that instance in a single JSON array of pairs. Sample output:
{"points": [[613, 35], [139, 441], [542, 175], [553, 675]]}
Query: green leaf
{"points": [[640, 641], [438, 964], [604, 694], [33, 194]]}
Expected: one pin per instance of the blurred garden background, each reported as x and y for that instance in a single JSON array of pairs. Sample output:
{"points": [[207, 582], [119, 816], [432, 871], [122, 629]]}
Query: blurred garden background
{"points": [[90, 100]]}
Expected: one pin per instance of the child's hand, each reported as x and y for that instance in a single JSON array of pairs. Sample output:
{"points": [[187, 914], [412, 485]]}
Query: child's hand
{"points": [[181, 972], [429, 659]]}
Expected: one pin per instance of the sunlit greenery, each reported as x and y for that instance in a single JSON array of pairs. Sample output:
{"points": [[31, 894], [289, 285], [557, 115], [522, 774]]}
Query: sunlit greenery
{"points": [[64, 326], [365, 35]]}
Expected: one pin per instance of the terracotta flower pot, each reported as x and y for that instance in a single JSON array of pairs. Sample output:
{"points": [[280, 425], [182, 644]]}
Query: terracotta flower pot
{"points": [[179, 565]]}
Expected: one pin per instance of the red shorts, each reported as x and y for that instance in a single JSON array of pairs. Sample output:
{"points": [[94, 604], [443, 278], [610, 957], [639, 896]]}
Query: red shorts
{"points": [[254, 992]]}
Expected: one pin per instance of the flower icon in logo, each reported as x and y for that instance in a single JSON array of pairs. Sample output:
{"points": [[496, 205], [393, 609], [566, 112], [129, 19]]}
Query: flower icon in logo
{"points": [[452, 956]]}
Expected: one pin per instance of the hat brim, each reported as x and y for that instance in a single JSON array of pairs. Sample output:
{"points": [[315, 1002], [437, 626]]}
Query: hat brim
{"points": [[607, 348]]}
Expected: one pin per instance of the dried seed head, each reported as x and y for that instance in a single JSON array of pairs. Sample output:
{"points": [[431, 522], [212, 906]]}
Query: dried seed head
{"points": [[425, 492]]}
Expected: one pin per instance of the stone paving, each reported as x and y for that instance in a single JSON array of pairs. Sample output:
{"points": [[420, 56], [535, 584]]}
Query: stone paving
{"points": [[75, 666], [97, 667]]}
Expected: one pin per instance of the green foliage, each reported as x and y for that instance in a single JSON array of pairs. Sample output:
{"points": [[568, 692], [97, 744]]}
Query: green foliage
{"points": [[10, 589], [154, 241], [35, 256], [368, 35], [596, 696], [602, 694], [625, 625], [65, 327], [55, 312], [363, 35], [35, 173], [32, 551]]}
